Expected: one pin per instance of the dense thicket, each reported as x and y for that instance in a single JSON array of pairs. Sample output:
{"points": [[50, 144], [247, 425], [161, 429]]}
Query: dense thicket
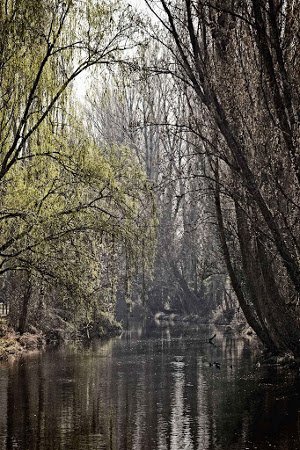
{"points": [[237, 63], [72, 209]]}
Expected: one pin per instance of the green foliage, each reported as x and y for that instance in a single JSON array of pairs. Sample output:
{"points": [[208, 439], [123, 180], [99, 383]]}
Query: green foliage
{"points": [[69, 207], [61, 214]]}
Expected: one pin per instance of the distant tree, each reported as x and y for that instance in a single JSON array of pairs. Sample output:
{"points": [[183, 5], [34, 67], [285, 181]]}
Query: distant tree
{"points": [[146, 111]]}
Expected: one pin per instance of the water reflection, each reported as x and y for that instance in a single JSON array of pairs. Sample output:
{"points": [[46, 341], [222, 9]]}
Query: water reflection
{"points": [[180, 415], [203, 411], [164, 389]]}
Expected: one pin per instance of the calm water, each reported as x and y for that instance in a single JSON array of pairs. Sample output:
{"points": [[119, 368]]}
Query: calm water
{"points": [[149, 390]]}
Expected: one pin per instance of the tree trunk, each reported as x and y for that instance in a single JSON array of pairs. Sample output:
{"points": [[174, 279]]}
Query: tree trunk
{"points": [[283, 321], [255, 282], [247, 309], [25, 305]]}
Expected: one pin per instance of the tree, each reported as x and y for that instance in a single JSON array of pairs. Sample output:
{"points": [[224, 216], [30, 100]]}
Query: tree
{"points": [[147, 112], [66, 202], [237, 60]]}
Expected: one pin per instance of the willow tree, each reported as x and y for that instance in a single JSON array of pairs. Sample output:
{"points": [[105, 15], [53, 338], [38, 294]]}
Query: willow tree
{"points": [[44, 47], [239, 61], [74, 219], [66, 202]]}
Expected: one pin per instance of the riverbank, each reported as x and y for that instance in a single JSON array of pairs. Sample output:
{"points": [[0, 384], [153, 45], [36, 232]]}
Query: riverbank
{"points": [[13, 344]]}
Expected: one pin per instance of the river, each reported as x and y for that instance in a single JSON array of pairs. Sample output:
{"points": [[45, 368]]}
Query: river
{"points": [[151, 388]]}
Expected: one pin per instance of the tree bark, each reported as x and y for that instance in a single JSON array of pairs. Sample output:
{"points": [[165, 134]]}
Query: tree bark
{"points": [[284, 323], [255, 282], [249, 313]]}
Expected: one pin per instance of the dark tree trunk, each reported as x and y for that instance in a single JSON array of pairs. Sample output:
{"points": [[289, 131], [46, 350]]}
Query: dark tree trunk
{"points": [[280, 317], [278, 323], [247, 309], [255, 282]]}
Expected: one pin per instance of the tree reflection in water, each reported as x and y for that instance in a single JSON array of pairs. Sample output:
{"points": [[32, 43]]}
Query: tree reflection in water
{"points": [[151, 390]]}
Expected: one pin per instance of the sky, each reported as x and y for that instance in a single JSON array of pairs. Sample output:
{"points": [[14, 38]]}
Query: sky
{"points": [[80, 83]]}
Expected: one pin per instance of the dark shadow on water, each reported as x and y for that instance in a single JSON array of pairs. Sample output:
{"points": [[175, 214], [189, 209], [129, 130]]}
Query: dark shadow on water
{"points": [[152, 388]]}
